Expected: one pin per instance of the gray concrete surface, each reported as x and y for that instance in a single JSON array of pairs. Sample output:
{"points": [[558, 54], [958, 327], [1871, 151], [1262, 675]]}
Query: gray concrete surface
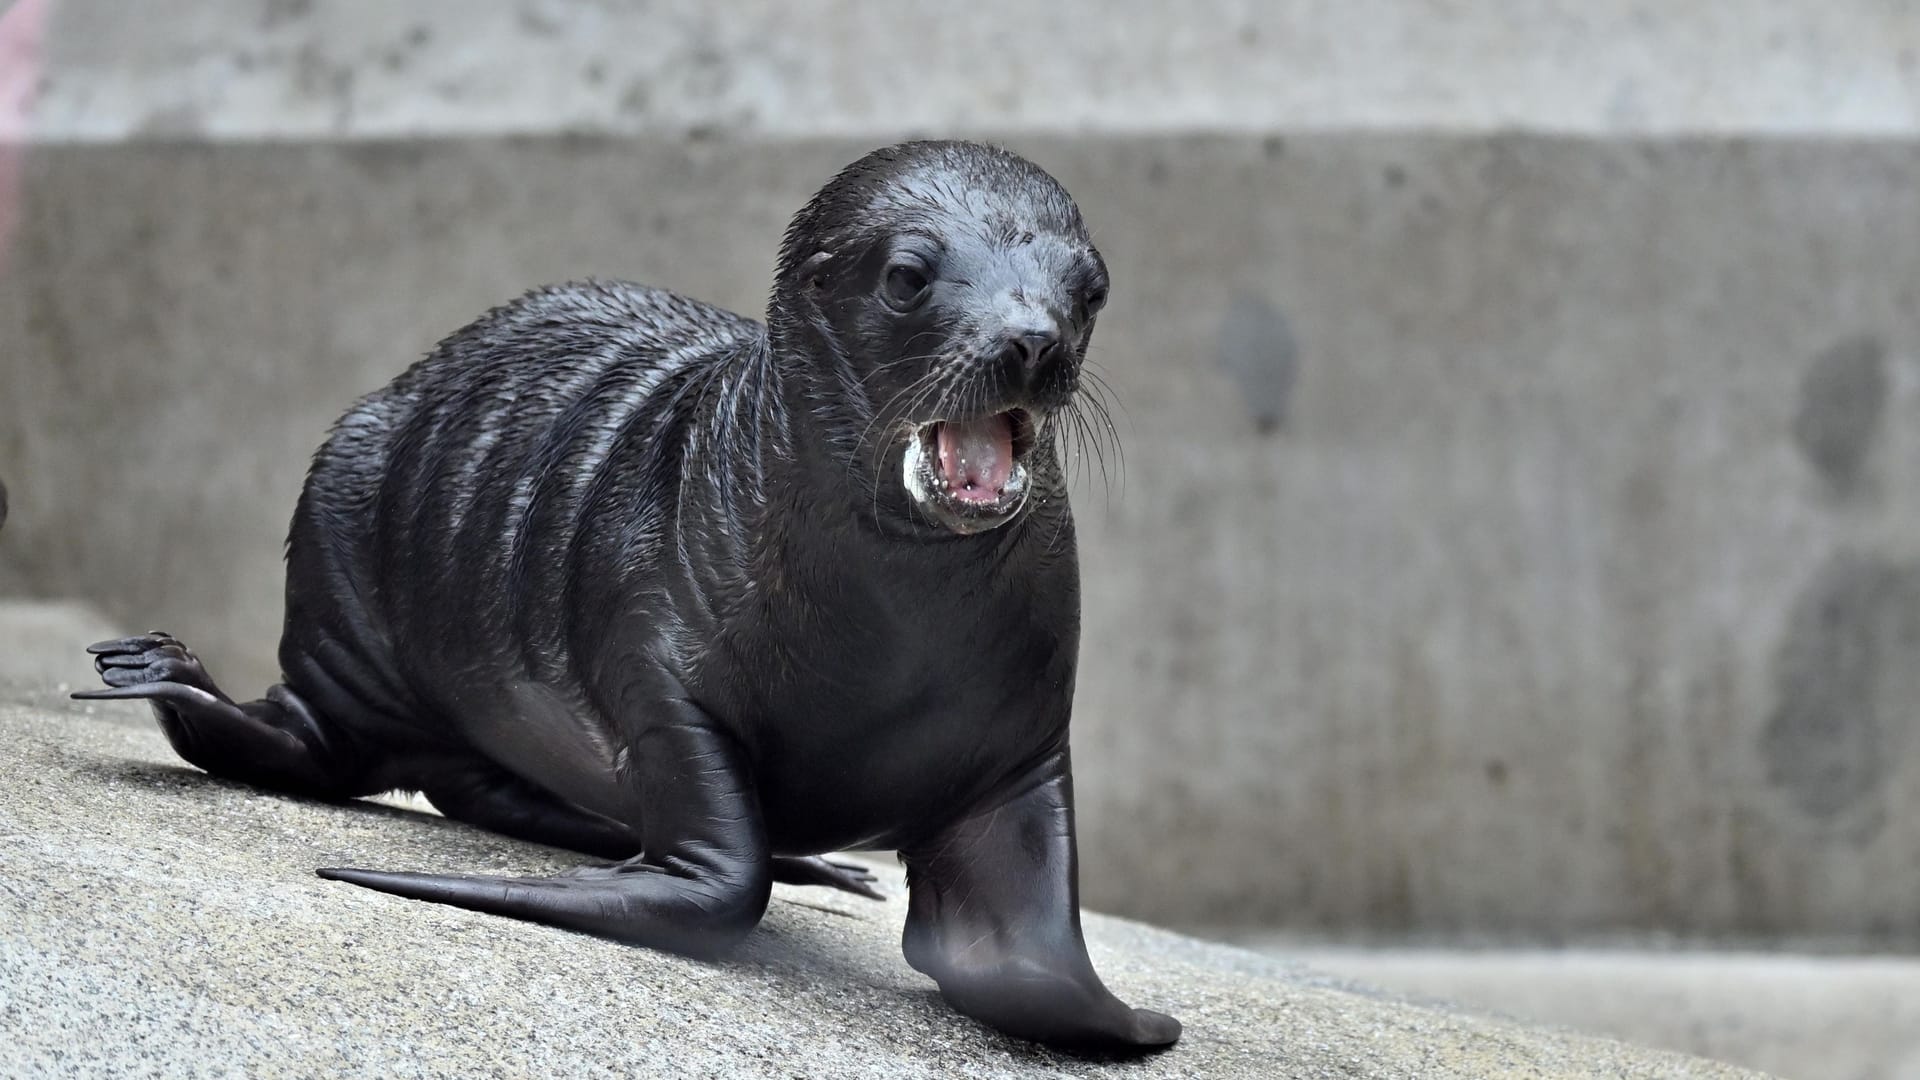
{"points": [[156, 922], [1814, 1013], [1805, 1016], [296, 69], [1517, 535]]}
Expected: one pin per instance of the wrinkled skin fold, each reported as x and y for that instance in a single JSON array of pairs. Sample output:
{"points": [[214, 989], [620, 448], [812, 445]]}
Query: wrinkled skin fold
{"points": [[622, 572]]}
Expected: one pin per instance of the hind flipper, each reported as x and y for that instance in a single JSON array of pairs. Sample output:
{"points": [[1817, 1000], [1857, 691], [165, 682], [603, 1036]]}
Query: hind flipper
{"points": [[701, 887], [275, 742], [488, 796], [818, 870]]}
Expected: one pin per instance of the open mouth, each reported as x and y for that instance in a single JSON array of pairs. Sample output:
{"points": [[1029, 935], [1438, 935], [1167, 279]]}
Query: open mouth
{"points": [[970, 475]]}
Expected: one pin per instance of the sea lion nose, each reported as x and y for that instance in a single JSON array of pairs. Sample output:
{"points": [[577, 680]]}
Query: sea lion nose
{"points": [[1032, 355]]}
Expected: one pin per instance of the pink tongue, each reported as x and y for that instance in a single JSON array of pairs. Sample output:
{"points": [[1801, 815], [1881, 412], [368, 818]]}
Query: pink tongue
{"points": [[976, 456]]}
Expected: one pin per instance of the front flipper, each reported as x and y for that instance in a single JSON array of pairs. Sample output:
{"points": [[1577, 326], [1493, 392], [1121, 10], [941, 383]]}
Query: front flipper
{"points": [[702, 885], [994, 917]]}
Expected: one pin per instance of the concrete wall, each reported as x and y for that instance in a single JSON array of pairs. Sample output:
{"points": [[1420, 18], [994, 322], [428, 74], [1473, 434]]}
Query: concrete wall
{"points": [[1519, 534]]}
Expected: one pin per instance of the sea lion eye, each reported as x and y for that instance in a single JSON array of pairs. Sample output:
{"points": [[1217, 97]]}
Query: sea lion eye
{"points": [[906, 286], [1091, 302]]}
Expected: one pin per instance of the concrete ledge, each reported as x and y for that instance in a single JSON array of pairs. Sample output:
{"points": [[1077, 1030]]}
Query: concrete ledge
{"points": [[39, 641], [278, 69], [153, 920]]}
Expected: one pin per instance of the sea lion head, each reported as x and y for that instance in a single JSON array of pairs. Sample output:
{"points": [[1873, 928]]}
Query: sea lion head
{"points": [[943, 294]]}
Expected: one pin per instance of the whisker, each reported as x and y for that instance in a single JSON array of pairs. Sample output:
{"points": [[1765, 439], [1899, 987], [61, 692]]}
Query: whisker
{"points": [[1093, 440], [1102, 395]]}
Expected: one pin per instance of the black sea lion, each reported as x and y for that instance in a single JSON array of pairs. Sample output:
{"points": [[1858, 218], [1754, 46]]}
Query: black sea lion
{"points": [[621, 572]]}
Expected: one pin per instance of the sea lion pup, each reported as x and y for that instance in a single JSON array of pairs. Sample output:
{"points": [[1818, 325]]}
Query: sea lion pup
{"points": [[618, 571]]}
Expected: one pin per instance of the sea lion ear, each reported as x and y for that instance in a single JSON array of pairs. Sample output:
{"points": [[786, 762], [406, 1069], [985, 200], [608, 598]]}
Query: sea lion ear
{"points": [[812, 271]]}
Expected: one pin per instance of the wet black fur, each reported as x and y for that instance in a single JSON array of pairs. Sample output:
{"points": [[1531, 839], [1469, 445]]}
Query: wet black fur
{"points": [[618, 570]]}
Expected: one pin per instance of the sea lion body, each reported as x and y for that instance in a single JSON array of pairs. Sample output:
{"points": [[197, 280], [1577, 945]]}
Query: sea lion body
{"points": [[547, 536], [620, 571]]}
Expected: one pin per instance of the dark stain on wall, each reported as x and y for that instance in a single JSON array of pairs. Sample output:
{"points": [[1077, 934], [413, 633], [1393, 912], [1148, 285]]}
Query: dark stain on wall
{"points": [[277, 13], [1843, 399], [1257, 349], [1847, 685]]}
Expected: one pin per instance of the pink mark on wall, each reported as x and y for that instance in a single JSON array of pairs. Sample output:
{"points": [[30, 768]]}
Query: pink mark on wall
{"points": [[22, 31]]}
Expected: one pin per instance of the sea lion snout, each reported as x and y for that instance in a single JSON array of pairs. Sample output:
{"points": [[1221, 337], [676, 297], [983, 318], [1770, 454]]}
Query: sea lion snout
{"points": [[1038, 366], [1034, 351]]}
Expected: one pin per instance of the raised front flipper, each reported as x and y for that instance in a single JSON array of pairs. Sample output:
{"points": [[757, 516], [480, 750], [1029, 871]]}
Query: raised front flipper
{"points": [[994, 917], [702, 884]]}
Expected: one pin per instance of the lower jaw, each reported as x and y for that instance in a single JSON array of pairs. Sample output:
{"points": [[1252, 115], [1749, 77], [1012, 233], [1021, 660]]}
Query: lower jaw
{"points": [[964, 516]]}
